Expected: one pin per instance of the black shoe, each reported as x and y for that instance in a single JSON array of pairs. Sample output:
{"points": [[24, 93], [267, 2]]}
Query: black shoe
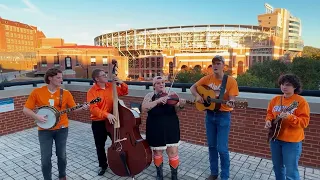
{"points": [[102, 170], [159, 172], [212, 177], [174, 173]]}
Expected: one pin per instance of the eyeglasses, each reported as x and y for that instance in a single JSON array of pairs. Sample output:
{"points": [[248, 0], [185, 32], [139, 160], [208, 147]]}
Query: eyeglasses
{"points": [[103, 75]]}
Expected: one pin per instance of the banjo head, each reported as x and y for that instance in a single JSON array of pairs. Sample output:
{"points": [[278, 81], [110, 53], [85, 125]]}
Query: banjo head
{"points": [[50, 115]]}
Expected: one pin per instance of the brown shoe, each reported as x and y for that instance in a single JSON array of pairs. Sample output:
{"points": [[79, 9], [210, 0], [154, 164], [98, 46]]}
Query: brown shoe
{"points": [[212, 177], [64, 178]]}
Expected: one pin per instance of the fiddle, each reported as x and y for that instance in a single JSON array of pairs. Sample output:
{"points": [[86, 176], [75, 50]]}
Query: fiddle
{"points": [[173, 99]]}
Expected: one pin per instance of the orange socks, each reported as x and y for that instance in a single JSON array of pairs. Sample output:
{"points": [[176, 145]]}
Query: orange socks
{"points": [[157, 160], [174, 162]]}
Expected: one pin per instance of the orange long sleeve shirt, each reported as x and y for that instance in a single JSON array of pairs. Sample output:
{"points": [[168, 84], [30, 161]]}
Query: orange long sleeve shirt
{"points": [[99, 111], [292, 128]]}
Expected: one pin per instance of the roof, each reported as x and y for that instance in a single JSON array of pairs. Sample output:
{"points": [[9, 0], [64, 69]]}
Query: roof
{"points": [[84, 47], [16, 24]]}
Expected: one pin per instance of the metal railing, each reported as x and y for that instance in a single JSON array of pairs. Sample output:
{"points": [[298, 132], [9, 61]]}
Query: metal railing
{"points": [[183, 86]]}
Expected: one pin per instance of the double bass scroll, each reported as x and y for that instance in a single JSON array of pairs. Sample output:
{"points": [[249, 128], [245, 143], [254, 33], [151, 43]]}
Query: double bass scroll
{"points": [[129, 154]]}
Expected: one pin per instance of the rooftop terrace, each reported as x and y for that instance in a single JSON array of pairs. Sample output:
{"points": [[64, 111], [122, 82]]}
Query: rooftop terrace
{"points": [[20, 159], [250, 154]]}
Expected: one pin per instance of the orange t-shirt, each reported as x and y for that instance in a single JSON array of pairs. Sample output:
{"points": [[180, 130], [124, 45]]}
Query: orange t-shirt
{"points": [[42, 97], [99, 111], [292, 128], [214, 83]]}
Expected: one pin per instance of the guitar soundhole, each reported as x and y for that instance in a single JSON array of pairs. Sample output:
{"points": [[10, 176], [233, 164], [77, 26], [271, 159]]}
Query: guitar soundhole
{"points": [[207, 102]]}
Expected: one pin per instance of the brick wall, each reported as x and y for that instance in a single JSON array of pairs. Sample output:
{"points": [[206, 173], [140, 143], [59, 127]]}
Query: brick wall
{"points": [[247, 134], [14, 121]]}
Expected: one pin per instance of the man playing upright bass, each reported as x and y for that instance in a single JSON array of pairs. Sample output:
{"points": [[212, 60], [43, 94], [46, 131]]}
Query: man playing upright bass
{"points": [[102, 111]]}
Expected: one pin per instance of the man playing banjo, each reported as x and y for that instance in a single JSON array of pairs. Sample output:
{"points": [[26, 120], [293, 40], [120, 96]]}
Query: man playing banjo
{"points": [[51, 95]]}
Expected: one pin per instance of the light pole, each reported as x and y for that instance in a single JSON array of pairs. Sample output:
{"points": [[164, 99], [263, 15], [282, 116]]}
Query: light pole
{"points": [[1, 75]]}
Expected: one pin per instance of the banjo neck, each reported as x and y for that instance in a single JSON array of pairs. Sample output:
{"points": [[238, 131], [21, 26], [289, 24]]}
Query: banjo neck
{"points": [[96, 100], [70, 109]]}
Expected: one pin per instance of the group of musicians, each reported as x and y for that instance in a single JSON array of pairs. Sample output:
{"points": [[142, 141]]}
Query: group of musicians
{"points": [[162, 124]]}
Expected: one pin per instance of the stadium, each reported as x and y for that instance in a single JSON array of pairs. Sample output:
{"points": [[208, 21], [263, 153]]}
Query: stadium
{"points": [[163, 50]]}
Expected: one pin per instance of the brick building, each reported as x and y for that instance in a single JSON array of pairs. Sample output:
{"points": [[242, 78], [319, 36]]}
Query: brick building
{"points": [[18, 42], [77, 61]]}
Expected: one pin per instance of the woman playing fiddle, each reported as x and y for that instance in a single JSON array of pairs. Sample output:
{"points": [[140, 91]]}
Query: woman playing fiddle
{"points": [[162, 126]]}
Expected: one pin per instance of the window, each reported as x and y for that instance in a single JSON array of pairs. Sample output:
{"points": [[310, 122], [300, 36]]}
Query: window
{"points": [[77, 61], [56, 61], [93, 61], [152, 63], [158, 62], [43, 61], [105, 61]]}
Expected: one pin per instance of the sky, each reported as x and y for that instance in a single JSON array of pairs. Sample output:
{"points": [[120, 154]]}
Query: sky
{"points": [[80, 21]]}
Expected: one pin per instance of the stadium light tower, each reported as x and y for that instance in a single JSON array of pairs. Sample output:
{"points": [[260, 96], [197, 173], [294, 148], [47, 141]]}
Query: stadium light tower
{"points": [[269, 8]]}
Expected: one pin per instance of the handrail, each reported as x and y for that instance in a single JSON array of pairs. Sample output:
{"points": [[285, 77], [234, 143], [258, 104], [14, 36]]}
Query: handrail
{"points": [[183, 86]]}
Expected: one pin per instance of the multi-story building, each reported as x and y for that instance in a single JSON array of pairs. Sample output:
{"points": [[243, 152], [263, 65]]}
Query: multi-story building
{"points": [[162, 50], [18, 42], [78, 61], [287, 27], [19, 37]]}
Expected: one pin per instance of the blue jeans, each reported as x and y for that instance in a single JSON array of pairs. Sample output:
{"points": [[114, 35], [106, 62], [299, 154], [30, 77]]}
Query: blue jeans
{"points": [[285, 158], [46, 138], [217, 129]]}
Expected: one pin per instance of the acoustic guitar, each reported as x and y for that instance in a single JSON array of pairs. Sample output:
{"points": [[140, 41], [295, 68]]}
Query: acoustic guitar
{"points": [[209, 97], [275, 128]]}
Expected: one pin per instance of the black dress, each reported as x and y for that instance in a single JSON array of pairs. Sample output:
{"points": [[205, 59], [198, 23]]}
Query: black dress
{"points": [[162, 127]]}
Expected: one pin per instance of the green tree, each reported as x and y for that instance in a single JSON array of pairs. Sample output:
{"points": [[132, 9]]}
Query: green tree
{"points": [[269, 70], [309, 51], [250, 80], [189, 75], [308, 70]]}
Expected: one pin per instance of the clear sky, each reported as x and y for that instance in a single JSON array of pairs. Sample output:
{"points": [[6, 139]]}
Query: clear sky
{"points": [[80, 21]]}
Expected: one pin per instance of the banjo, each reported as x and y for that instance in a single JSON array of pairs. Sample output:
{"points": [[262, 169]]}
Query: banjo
{"points": [[53, 115]]}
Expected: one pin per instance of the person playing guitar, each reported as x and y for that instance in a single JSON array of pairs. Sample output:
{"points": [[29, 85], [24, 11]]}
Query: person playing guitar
{"points": [[102, 112], [52, 94], [162, 127], [286, 147], [218, 120]]}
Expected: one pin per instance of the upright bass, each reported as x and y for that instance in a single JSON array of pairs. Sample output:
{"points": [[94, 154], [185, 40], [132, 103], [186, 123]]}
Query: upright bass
{"points": [[129, 154]]}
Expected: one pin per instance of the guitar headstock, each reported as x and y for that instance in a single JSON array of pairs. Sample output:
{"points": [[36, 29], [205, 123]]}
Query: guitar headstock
{"points": [[114, 67], [293, 105], [96, 100], [241, 104]]}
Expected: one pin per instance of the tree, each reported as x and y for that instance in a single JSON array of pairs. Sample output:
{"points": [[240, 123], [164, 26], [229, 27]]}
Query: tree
{"points": [[250, 80], [189, 75], [309, 51], [308, 70], [269, 70]]}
